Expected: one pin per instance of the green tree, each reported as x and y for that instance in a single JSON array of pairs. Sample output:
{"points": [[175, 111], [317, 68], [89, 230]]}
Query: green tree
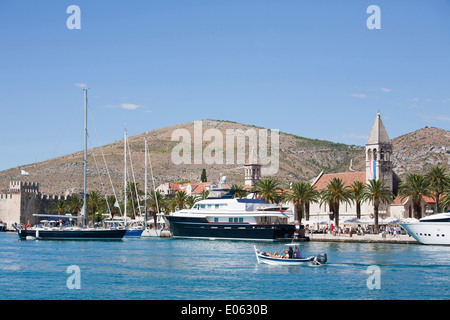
{"points": [[269, 190], [357, 195], [438, 180], [60, 206], [93, 202], [301, 194], [377, 193], [156, 202], [75, 204], [204, 194], [241, 192], [171, 205], [416, 187], [111, 203], [446, 199], [335, 193], [133, 201], [180, 199], [203, 176], [191, 200]]}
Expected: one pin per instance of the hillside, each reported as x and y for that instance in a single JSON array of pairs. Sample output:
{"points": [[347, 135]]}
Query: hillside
{"points": [[418, 151], [301, 159]]}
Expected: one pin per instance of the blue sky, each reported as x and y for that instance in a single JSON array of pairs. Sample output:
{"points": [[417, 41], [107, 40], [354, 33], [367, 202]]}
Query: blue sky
{"points": [[310, 68]]}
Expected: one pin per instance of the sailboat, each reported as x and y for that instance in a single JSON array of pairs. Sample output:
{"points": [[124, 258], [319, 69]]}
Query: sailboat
{"points": [[150, 232], [66, 230]]}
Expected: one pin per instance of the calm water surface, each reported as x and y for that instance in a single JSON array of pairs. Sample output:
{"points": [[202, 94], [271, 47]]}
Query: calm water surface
{"points": [[202, 269]]}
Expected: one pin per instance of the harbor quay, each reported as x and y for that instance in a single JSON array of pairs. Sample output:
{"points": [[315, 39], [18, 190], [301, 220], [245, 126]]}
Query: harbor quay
{"points": [[366, 238]]}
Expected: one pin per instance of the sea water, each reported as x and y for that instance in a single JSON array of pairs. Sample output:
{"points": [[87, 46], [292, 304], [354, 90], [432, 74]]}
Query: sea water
{"points": [[177, 269]]}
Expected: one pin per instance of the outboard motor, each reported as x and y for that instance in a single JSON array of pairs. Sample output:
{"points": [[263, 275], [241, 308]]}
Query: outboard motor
{"points": [[320, 259]]}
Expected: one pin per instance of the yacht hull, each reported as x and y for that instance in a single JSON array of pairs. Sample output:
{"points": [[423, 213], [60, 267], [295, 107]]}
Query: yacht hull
{"points": [[429, 233], [95, 234], [200, 228], [134, 233]]}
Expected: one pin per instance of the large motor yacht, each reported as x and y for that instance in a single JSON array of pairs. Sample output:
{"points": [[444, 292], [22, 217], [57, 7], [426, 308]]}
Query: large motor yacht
{"points": [[223, 216], [433, 229]]}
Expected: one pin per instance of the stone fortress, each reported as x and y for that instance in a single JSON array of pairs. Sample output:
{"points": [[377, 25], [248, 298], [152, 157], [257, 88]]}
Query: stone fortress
{"points": [[22, 201]]}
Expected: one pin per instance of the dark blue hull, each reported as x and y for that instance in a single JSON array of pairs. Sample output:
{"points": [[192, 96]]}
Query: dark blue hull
{"points": [[134, 233], [201, 229], [98, 234]]}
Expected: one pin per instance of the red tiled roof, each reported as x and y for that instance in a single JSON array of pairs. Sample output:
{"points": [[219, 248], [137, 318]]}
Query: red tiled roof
{"points": [[399, 201], [198, 188], [347, 177]]}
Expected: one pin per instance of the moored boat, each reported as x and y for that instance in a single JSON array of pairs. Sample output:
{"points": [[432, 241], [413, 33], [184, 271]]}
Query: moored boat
{"points": [[68, 230], [224, 216], [432, 230]]}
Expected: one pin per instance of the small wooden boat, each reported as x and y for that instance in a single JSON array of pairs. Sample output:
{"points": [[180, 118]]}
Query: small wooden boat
{"points": [[267, 258]]}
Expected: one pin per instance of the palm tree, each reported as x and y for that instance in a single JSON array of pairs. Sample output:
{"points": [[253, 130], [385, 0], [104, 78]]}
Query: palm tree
{"points": [[180, 199], [132, 190], [268, 189], [94, 202], [75, 204], [356, 194], [60, 206], [301, 194], [171, 205], [204, 194], [415, 187], [191, 200], [312, 196], [335, 193], [378, 193], [155, 203], [446, 199], [438, 180], [111, 203], [240, 192]]}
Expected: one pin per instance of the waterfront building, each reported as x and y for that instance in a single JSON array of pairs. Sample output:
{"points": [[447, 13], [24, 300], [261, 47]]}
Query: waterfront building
{"points": [[22, 200], [378, 155]]}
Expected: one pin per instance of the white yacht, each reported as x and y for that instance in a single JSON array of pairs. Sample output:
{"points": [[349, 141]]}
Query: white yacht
{"points": [[433, 229], [222, 216]]}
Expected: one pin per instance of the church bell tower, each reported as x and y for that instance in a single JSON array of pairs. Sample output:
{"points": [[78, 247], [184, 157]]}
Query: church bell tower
{"points": [[378, 154], [252, 169]]}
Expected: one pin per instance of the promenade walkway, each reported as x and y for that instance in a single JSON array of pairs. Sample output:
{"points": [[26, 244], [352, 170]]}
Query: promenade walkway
{"points": [[367, 238]]}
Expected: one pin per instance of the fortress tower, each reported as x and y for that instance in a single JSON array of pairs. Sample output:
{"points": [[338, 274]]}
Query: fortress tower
{"points": [[19, 205]]}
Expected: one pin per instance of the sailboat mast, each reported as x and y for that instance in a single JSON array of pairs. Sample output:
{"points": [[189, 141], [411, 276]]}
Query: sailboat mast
{"points": [[146, 186], [125, 174], [85, 158]]}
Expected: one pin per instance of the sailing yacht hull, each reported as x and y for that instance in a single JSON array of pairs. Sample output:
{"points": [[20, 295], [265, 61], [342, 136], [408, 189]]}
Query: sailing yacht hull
{"points": [[87, 234], [134, 233]]}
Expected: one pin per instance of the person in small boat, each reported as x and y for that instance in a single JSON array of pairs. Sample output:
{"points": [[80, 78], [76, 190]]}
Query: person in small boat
{"points": [[297, 253], [289, 253]]}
